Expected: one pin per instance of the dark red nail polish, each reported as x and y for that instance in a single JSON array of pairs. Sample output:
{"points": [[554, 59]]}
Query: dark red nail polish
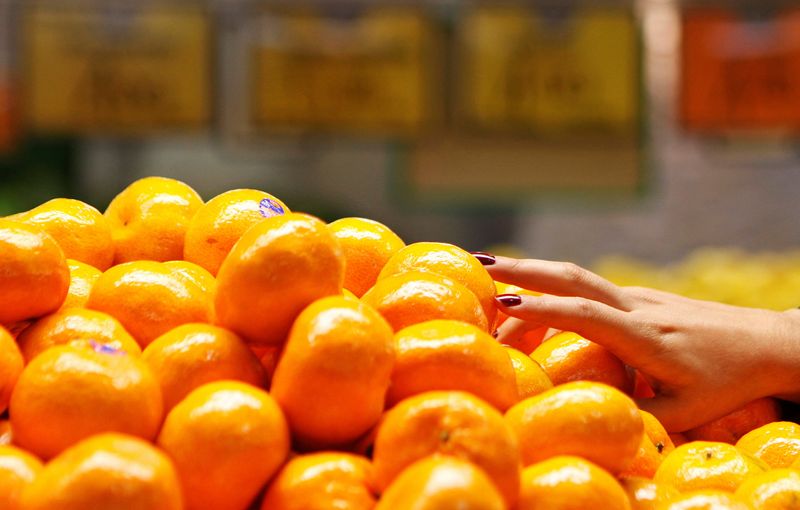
{"points": [[509, 299], [487, 259]]}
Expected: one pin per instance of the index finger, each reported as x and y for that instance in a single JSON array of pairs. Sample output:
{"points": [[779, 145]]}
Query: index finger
{"points": [[557, 278]]}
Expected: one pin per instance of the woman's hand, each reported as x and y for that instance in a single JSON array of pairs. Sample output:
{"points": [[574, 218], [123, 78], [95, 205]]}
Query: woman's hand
{"points": [[702, 359]]}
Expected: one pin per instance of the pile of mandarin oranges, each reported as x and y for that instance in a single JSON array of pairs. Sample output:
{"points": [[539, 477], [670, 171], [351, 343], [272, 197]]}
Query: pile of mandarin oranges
{"points": [[172, 353]]}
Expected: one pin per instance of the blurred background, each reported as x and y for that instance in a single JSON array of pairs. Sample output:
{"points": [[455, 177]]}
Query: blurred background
{"points": [[653, 140]]}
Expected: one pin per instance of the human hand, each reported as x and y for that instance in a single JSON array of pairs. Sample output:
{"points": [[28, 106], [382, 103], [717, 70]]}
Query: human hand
{"points": [[703, 359]]}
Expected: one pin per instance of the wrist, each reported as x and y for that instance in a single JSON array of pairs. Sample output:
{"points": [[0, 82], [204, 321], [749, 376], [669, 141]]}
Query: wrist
{"points": [[782, 350]]}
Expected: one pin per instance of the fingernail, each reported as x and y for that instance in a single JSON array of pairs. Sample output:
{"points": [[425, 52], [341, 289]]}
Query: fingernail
{"points": [[509, 299], [487, 259]]}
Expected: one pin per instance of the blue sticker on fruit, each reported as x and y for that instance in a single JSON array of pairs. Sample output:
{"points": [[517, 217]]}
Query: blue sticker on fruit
{"points": [[106, 349], [269, 207]]}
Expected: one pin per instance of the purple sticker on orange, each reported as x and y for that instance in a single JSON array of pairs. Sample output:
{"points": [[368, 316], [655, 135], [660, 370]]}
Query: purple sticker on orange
{"points": [[106, 349], [269, 207]]}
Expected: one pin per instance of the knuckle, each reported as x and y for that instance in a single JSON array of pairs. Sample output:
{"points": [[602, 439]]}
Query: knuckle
{"points": [[584, 308]]}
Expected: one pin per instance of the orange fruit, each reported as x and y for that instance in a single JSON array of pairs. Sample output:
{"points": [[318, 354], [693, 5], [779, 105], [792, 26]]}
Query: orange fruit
{"points": [[645, 494], [193, 273], [18, 469], [227, 439], [79, 327], [586, 419], [221, 221], [322, 481], [413, 297], [108, 471], [79, 229], [269, 361], [731, 427], [707, 465], [149, 219], [777, 489], [531, 378], [191, 355], [441, 482], [655, 446], [332, 376], [777, 444], [531, 339], [451, 423], [11, 365], [69, 393], [278, 267], [569, 357], [678, 438], [451, 262], [569, 483], [149, 299], [81, 280], [35, 276], [367, 245], [6, 435], [704, 500], [452, 355]]}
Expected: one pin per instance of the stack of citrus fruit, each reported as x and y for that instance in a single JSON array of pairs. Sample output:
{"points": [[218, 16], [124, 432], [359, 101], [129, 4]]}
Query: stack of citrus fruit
{"points": [[232, 354]]}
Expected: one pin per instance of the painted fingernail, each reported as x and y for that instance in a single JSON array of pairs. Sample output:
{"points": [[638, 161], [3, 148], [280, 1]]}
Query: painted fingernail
{"points": [[509, 299], [487, 259]]}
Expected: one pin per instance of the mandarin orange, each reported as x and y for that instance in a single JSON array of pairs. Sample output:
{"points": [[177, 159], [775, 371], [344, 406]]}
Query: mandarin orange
{"points": [[452, 355], [106, 471], [332, 376], [227, 439], [413, 297], [451, 423], [277, 268], [777, 443], [35, 276], [11, 365], [531, 378], [367, 245], [18, 469], [81, 280]]}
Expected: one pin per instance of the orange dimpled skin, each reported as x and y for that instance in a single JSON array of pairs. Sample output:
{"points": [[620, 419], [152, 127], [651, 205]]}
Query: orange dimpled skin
{"points": [[569, 357], [703, 465], [732, 426], [18, 469], [586, 419], [367, 246], [34, 276], [75, 326], [570, 483], [193, 273], [704, 500], [531, 378], [70, 393], [149, 298], [441, 483], [79, 229], [227, 439], [81, 280], [332, 376], [413, 297], [11, 365], [322, 481], [451, 262], [655, 446], [645, 494], [221, 221], [149, 219], [107, 471], [777, 444], [278, 267], [778, 489], [452, 355], [191, 355], [449, 423]]}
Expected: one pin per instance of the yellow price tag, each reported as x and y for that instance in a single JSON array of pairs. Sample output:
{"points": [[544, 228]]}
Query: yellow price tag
{"points": [[524, 71], [367, 74], [119, 70]]}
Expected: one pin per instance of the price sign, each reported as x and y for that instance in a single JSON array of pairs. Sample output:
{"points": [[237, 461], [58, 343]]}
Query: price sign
{"points": [[524, 70], [740, 74], [369, 73], [117, 69]]}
